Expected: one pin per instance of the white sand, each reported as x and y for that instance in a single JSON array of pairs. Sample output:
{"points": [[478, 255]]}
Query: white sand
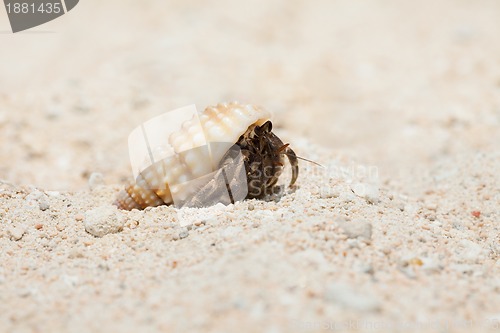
{"points": [[400, 232]]}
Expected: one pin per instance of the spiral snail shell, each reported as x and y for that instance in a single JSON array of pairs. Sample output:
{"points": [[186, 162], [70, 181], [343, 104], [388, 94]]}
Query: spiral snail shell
{"points": [[221, 127]]}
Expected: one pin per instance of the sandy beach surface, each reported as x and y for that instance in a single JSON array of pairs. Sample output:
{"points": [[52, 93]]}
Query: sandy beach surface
{"points": [[399, 231]]}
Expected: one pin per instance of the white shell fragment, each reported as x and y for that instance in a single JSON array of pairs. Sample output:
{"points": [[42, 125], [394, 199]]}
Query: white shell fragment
{"points": [[172, 172]]}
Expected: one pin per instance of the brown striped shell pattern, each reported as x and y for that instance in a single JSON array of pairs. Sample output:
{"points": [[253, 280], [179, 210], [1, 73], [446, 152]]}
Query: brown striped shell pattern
{"points": [[176, 180]]}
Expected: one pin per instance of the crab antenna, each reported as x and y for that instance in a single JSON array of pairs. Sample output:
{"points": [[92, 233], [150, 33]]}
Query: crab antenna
{"points": [[305, 159]]}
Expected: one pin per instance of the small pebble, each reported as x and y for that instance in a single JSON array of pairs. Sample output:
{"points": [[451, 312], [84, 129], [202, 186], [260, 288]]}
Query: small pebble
{"points": [[431, 206], [96, 179], [40, 198], [104, 220], [347, 197], [367, 191], [356, 229], [43, 203], [16, 233], [183, 234]]}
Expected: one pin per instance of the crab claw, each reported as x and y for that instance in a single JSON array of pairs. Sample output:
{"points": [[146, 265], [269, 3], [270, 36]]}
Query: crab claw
{"points": [[294, 162]]}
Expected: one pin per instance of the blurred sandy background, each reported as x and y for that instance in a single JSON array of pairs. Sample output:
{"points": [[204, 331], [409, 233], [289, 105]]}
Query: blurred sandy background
{"points": [[409, 87], [399, 84]]}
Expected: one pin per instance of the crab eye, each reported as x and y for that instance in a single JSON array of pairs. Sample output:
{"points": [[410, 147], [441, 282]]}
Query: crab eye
{"points": [[267, 127]]}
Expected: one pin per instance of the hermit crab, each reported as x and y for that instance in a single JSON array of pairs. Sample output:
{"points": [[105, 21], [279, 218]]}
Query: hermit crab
{"points": [[228, 148]]}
